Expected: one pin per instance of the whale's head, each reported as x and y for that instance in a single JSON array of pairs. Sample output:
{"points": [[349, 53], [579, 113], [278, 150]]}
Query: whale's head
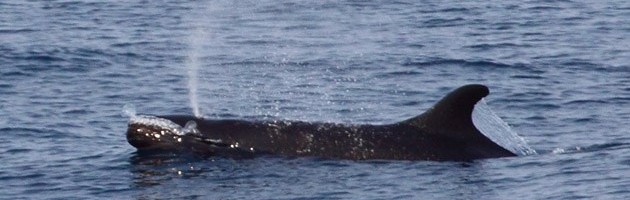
{"points": [[155, 133]]}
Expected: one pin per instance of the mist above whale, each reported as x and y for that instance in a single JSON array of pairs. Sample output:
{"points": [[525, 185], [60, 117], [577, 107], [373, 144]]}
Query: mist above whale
{"points": [[445, 132]]}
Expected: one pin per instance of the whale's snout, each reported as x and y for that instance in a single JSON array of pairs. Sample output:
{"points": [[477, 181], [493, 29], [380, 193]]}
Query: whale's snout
{"points": [[146, 132]]}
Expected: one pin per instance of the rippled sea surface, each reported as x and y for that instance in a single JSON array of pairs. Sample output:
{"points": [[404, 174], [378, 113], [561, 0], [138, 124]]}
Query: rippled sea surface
{"points": [[558, 72]]}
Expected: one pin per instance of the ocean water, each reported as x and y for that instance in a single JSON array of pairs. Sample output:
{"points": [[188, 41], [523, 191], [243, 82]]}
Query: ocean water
{"points": [[558, 72]]}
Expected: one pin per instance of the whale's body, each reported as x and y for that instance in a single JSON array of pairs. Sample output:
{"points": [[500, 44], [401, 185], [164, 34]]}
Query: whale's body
{"points": [[443, 133]]}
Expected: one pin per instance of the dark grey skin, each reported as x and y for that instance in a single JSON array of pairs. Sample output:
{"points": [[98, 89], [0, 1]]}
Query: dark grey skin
{"points": [[443, 133]]}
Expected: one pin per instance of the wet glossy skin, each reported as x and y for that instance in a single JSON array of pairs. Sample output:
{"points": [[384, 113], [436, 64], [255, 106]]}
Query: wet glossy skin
{"points": [[144, 136], [443, 133]]}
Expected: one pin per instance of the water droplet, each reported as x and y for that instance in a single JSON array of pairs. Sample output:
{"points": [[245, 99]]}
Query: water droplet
{"points": [[558, 151], [190, 127], [129, 110], [497, 130]]}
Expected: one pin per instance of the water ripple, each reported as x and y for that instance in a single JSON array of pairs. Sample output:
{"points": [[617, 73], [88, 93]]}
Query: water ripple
{"points": [[557, 71]]}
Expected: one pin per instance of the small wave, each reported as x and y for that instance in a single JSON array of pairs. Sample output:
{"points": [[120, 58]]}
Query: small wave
{"points": [[247, 63], [564, 150], [416, 46], [14, 31], [398, 74], [6, 86], [62, 59], [78, 112], [440, 23], [453, 10], [545, 106], [607, 146], [130, 44], [545, 8], [585, 102], [303, 27], [16, 74], [83, 158], [617, 100], [527, 76], [592, 148], [22, 177], [580, 64], [407, 73], [469, 63], [40, 132], [298, 64], [53, 131], [17, 151], [584, 120], [536, 118], [44, 58], [407, 103], [252, 42], [496, 46]]}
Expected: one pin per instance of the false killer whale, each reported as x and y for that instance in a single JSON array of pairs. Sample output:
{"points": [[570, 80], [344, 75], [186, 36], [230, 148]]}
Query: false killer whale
{"points": [[443, 133]]}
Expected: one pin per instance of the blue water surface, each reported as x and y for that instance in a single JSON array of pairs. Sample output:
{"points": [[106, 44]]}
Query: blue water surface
{"points": [[558, 72]]}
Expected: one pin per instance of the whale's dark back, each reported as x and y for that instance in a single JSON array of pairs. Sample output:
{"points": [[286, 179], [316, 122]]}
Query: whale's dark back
{"points": [[445, 132]]}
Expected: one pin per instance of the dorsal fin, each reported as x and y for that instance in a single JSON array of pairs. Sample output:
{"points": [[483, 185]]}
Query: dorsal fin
{"points": [[453, 113], [452, 117]]}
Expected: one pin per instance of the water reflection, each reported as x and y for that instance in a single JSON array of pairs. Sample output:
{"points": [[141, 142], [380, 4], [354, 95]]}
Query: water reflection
{"points": [[156, 168], [186, 176]]}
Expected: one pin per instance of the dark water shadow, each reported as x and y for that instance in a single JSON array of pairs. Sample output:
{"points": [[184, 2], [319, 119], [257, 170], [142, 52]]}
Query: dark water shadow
{"points": [[156, 172]]}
